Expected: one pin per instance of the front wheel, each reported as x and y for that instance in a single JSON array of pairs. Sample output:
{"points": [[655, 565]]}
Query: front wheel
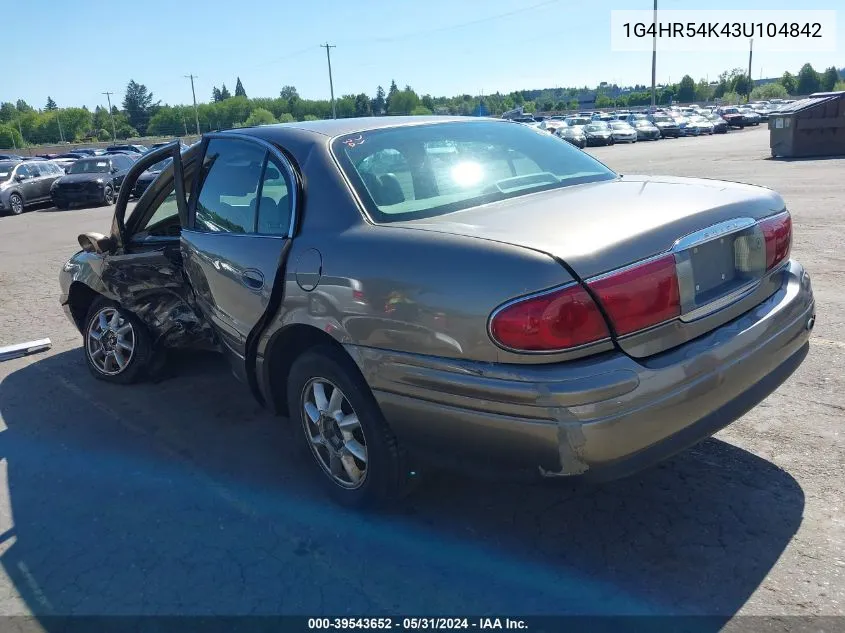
{"points": [[350, 443], [117, 346], [16, 204], [108, 195]]}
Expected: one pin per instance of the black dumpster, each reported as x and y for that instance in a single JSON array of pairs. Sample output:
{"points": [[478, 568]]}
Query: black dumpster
{"points": [[814, 126]]}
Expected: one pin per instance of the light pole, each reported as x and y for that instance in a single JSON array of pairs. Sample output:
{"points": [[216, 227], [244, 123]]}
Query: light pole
{"points": [[327, 46], [654, 61], [59, 121], [111, 115], [194, 94], [750, 80]]}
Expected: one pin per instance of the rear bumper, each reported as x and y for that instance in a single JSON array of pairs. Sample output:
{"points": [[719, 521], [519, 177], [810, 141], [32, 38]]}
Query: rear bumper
{"points": [[600, 417]]}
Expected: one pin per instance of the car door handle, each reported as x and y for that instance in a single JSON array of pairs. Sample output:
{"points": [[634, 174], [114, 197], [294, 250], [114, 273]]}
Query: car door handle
{"points": [[252, 279]]}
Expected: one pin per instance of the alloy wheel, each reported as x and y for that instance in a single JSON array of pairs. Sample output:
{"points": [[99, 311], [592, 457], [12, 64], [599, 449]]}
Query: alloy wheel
{"points": [[334, 433], [108, 195], [16, 203], [110, 341]]}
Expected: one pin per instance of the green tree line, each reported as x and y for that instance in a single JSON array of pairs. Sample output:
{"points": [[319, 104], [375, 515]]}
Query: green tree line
{"points": [[141, 115]]}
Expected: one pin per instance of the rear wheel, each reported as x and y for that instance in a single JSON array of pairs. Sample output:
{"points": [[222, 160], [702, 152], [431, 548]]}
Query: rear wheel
{"points": [[117, 345], [108, 195], [16, 204], [350, 443]]}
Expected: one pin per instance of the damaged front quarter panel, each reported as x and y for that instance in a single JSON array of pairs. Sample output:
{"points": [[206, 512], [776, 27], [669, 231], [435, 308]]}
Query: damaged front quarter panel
{"points": [[151, 285]]}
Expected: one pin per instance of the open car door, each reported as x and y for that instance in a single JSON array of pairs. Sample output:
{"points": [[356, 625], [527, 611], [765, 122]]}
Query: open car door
{"points": [[175, 173], [142, 263], [237, 237]]}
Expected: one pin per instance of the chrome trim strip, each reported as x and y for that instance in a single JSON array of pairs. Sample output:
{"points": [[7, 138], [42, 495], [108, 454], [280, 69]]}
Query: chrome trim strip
{"points": [[712, 232], [533, 295], [627, 267], [722, 302]]}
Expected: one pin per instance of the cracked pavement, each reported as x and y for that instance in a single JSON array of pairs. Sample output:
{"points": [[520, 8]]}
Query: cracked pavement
{"points": [[185, 497]]}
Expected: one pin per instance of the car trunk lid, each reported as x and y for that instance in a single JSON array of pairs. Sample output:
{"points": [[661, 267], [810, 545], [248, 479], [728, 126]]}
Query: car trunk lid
{"points": [[596, 229]]}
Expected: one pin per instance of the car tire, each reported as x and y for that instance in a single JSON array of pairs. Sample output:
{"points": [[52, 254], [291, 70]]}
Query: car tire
{"points": [[16, 204], [108, 195], [361, 465], [106, 318]]}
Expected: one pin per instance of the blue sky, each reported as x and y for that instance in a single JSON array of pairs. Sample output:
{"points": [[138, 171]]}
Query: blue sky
{"points": [[442, 47]]}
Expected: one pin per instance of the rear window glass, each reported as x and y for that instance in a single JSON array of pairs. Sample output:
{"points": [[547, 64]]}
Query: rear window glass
{"points": [[421, 171]]}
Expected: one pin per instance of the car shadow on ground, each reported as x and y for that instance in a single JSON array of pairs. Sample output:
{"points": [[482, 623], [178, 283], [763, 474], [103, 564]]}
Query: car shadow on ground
{"points": [[185, 497]]}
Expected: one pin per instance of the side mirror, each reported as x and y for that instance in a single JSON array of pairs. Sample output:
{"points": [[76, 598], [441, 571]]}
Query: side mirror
{"points": [[95, 243], [21, 177], [114, 170]]}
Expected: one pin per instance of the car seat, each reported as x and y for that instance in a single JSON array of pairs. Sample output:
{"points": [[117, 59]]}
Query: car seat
{"points": [[274, 217], [385, 190]]}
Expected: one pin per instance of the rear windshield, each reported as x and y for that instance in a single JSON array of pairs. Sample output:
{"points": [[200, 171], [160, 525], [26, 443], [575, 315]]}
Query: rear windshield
{"points": [[421, 171], [89, 166]]}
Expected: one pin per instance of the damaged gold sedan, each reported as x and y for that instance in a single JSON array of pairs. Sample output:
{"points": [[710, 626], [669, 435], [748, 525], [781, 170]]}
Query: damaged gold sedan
{"points": [[474, 291]]}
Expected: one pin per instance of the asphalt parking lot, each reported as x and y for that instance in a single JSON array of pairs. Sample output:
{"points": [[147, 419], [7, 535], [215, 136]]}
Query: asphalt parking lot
{"points": [[185, 497]]}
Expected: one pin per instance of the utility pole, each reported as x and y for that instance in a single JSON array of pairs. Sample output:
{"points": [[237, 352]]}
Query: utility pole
{"points": [[193, 92], [59, 121], [327, 46], [111, 115], [750, 80], [654, 61], [23, 140]]}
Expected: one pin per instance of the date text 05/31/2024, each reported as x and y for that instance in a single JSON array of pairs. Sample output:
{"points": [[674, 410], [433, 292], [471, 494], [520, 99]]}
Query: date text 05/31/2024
{"points": [[413, 624]]}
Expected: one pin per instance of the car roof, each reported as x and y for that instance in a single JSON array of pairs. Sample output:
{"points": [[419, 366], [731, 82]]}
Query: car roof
{"points": [[339, 127]]}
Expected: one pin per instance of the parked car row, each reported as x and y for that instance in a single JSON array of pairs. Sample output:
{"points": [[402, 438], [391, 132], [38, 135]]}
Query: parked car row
{"points": [[79, 177], [629, 126]]}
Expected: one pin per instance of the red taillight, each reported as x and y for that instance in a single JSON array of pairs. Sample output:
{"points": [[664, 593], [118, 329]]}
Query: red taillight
{"points": [[640, 296], [777, 232], [556, 320], [358, 295]]}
